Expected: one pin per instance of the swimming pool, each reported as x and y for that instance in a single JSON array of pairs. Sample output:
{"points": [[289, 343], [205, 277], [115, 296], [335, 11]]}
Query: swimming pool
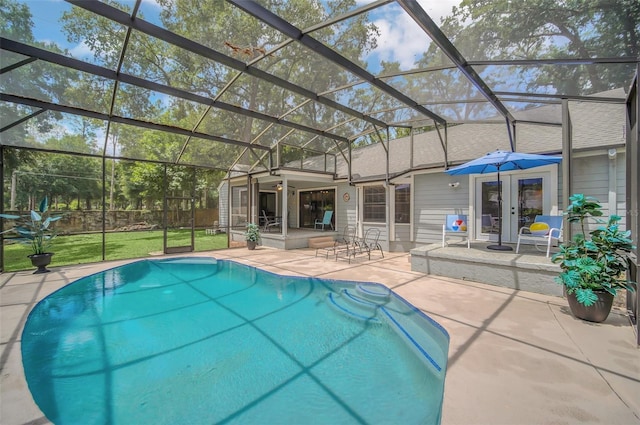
{"points": [[195, 340]]}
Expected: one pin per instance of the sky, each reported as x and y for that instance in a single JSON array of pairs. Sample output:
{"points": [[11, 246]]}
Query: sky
{"points": [[400, 37]]}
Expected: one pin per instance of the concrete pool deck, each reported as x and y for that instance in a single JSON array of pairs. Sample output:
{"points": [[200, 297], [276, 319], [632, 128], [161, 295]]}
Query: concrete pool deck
{"points": [[515, 357]]}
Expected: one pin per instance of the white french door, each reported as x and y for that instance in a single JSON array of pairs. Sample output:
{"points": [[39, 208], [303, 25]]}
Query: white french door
{"points": [[525, 194]]}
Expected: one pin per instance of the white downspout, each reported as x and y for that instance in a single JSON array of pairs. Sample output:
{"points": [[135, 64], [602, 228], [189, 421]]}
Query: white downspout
{"points": [[613, 175], [285, 205], [391, 213]]}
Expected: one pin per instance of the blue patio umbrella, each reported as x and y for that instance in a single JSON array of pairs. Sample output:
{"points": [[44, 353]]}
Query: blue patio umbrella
{"points": [[497, 161]]}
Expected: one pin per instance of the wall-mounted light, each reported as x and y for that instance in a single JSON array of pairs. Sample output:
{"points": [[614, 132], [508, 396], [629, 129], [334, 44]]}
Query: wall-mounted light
{"points": [[454, 184], [612, 153], [279, 186]]}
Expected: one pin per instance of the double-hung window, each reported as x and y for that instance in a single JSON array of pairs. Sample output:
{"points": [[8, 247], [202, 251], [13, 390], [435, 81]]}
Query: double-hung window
{"points": [[403, 203], [374, 207]]}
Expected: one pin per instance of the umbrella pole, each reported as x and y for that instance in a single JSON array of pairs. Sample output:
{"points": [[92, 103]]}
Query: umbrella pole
{"points": [[499, 247]]}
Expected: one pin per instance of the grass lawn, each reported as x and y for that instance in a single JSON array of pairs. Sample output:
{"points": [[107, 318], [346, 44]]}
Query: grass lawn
{"points": [[79, 249]]}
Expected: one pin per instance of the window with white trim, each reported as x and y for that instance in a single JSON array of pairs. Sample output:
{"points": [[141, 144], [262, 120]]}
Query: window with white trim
{"points": [[403, 203], [239, 198], [374, 205]]}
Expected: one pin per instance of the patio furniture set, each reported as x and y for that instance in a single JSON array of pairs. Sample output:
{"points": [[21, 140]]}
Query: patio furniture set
{"points": [[349, 245], [543, 232]]}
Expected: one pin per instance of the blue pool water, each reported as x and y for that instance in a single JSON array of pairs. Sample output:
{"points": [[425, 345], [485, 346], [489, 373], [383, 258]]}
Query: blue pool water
{"points": [[200, 341]]}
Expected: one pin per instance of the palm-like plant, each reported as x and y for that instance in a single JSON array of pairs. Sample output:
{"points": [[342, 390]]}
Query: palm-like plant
{"points": [[35, 228], [594, 264]]}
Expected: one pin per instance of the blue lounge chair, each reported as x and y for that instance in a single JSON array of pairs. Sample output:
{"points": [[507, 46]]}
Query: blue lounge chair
{"points": [[326, 220]]}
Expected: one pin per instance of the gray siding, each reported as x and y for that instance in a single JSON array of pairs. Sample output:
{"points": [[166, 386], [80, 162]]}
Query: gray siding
{"points": [[403, 241], [403, 232], [345, 211], [434, 199], [591, 177], [621, 188]]}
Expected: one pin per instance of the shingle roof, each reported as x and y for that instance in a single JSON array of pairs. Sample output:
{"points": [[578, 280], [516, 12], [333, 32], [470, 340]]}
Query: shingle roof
{"points": [[594, 125]]}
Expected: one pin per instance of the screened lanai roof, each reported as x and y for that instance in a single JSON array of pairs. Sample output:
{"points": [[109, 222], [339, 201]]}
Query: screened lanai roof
{"points": [[237, 85]]}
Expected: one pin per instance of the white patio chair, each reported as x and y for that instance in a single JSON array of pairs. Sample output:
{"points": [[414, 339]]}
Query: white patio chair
{"points": [[346, 242], [455, 224], [370, 242], [269, 222], [544, 230]]}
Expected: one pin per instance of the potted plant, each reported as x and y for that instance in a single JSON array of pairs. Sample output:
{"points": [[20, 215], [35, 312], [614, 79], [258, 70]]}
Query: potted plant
{"points": [[35, 229], [593, 268], [252, 235]]}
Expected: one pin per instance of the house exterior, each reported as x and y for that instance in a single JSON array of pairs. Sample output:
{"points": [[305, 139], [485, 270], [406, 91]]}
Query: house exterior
{"points": [[409, 202]]}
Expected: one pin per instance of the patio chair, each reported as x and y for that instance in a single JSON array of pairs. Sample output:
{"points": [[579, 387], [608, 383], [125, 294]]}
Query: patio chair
{"points": [[214, 230], [269, 222], [344, 243], [326, 220], [489, 224], [544, 229], [455, 224], [365, 245]]}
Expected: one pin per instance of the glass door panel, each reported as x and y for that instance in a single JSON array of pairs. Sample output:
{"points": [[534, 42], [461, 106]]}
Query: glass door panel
{"points": [[179, 228], [531, 195], [488, 208], [313, 204], [179, 209], [524, 195], [209, 234], [239, 210], [529, 201], [267, 206]]}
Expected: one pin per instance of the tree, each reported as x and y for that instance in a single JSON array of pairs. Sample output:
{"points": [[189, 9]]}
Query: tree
{"points": [[548, 29], [36, 79], [231, 31]]}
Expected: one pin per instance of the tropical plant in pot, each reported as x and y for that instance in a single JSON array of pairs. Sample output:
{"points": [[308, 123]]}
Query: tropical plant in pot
{"points": [[252, 235], [35, 229], [593, 268]]}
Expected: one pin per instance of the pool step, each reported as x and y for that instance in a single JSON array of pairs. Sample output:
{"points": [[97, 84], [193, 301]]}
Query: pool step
{"points": [[345, 305], [354, 297], [352, 302], [423, 344], [374, 309], [374, 292]]}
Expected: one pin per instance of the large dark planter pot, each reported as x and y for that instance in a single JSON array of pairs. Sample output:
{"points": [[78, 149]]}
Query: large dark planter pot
{"points": [[41, 261], [597, 312], [251, 245]]}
